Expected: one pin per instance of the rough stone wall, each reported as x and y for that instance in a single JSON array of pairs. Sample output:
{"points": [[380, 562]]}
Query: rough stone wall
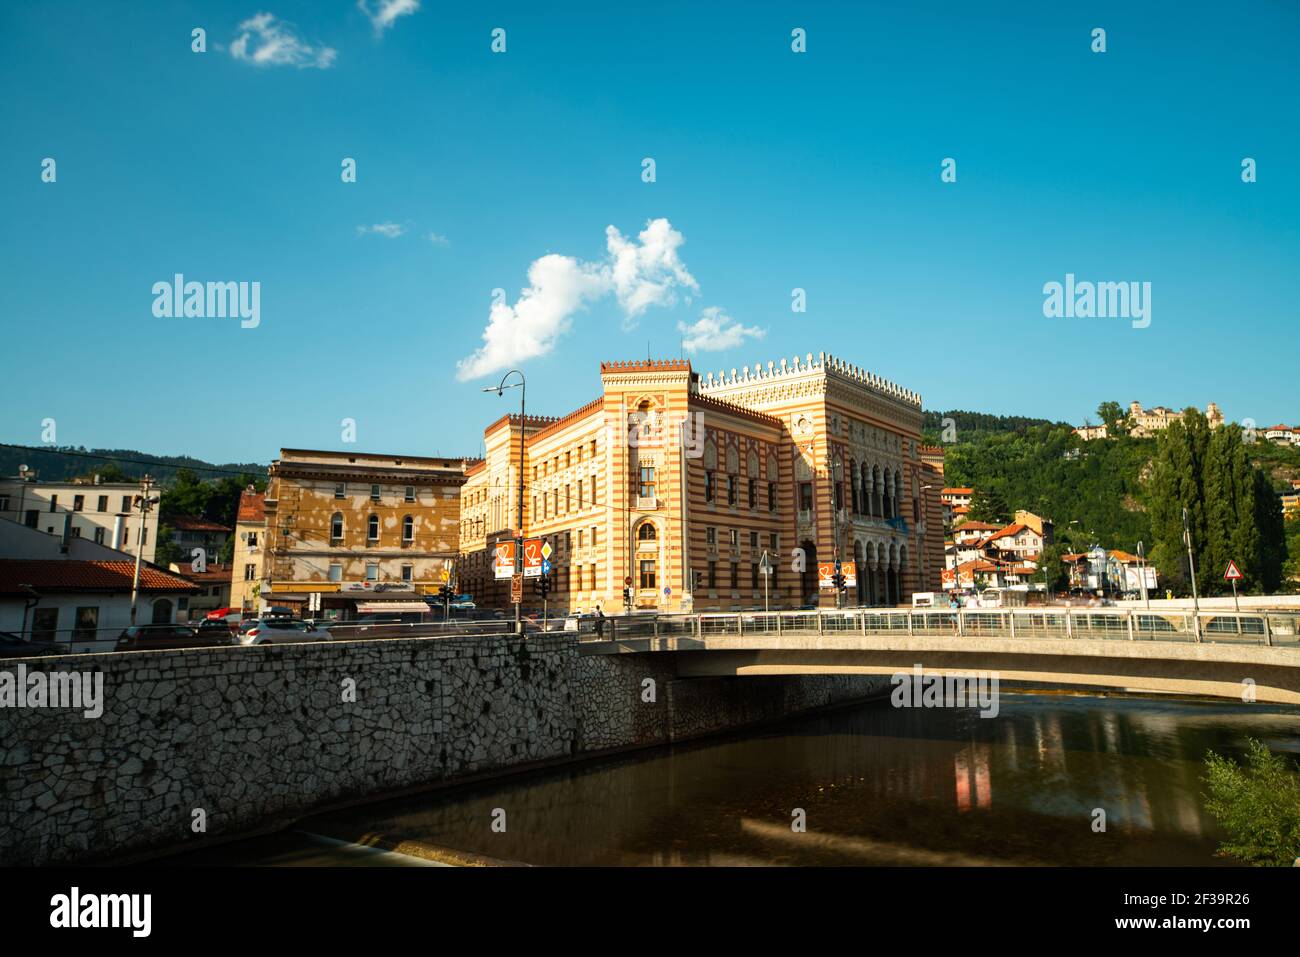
{"points": [[243, 737]]}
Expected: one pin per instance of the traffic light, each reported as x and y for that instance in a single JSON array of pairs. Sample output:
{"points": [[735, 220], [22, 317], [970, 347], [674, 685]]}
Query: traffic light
{"points": [[627, 596], [838, 580], [544, 585]]}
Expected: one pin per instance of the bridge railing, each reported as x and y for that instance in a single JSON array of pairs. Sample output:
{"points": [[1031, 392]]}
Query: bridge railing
{"points": [[1279, 628]]}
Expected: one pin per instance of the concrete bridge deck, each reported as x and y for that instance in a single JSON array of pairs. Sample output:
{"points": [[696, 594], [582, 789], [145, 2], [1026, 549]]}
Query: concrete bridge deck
{"points": [[1231, 657]]}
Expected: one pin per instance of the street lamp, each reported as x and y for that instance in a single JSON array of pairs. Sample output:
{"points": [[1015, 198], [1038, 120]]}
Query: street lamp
{"points": [[500, 390]]}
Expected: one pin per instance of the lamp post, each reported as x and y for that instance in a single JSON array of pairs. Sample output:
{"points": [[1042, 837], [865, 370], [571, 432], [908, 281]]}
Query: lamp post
{"points": [[145, 503], [1191, 561], [837, 472], [519, 516], [1142, 575]]}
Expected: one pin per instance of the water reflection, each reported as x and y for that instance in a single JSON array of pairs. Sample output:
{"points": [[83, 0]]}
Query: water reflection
{"points": [[880, 786]]}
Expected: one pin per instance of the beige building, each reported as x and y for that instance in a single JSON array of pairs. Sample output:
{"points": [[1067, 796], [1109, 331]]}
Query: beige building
{"points": [[1146, 422], [675, 484], [246, 565], [363, 531]]}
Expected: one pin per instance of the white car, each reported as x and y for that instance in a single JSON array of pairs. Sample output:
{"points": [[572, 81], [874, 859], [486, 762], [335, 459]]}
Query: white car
{"points": [[279, 631]]}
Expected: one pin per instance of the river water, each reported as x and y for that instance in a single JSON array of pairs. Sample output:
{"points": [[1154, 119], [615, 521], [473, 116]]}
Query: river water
{"points": [[876, 786]]}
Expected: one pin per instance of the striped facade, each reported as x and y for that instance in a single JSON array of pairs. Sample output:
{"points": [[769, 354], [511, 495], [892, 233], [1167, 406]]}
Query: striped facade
{"points": [[680, 482]]}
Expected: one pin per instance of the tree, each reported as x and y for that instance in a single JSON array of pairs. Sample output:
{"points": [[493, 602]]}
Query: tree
{"points": [[988, 504], [1258, 804], [1112, 414], [167, 551], [1233, 512], [1053, 569]]}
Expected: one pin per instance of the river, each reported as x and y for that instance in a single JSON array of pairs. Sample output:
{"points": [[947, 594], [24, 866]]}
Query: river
{"points": [[876, 786]]}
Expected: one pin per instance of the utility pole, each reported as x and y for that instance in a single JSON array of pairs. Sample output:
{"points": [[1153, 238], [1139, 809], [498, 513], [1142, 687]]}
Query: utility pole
{"points": [[1191, 560], [145, 504], [519, 517], [1142, 575]]}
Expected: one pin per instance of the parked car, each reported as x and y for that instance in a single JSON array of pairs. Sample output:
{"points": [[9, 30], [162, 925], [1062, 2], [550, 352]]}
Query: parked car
{"points": [[218, 628], [16, 646], [279, 631], [167, 637]]}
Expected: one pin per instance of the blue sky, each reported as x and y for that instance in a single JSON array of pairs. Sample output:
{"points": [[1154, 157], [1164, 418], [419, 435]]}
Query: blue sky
{"points": [[775, 170]]}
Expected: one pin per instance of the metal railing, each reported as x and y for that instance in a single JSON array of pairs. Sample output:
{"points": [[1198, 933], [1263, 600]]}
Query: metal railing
{"points": [[1273, 628]]}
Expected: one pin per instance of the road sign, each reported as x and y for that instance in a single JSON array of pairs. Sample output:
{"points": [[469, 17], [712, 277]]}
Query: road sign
{"points": [[1233, 574], [533, 554], [516, 588], [765, 564], [503, 559], [546, 550], [627, 580], [667, 590], [545, 567]]}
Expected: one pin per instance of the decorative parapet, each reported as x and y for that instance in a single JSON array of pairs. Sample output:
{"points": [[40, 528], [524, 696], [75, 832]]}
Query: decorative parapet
{"points": [[824, 363]]}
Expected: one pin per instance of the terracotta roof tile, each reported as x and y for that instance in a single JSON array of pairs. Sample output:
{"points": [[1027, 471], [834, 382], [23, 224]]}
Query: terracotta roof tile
{"points": [[72, 576]]}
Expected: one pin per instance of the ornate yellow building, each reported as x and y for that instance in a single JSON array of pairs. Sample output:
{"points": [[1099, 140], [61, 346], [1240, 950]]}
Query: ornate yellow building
{"points": [[680, 483]]}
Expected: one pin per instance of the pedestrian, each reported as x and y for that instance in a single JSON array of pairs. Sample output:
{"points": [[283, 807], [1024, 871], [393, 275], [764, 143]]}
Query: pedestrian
{"points": [[600, 622]]}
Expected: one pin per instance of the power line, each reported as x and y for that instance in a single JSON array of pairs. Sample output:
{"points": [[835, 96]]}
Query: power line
{"points": [[118, 458]]}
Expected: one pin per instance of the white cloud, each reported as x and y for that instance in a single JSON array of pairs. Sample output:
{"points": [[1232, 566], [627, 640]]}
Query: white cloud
{"points": [[639, 273], [558, 287], [647, 274], [384, 12], [716, 331], [265, 41], [439, 240], [391, 230]]}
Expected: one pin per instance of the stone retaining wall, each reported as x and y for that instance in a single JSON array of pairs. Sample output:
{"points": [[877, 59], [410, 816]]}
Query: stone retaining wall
{"points": [[210, 744]]}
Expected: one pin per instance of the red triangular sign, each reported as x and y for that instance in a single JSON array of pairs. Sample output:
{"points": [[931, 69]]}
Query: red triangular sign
{"points": [[1233, 573]]}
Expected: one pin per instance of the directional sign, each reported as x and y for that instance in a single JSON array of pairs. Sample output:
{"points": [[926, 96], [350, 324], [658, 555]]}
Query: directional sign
{"points": [[516, 588], [503, 560], [1233, 574], [534, 551], [545, 568]]}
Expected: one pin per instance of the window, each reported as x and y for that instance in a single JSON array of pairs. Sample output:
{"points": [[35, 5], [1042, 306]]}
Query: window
{"points": [[99, 536], [372, 571], [646, 533], [713, 575], [735, 538], [336, 527], [735, 575], [78, 502], [805, 497], [753, 493], [771, 496], [374, 493], [372, 528], [54, 503], [731, 490], [593, 536], [711, 536], [568, 459], [709, 490], [647, 481], [33, 516], [408, 529], [87, 623], [581, 535], [45, 624], [580, 496], [648, 573], [410, 493], [250, 571], [162, 612], [593, 486], [340, 489], [126, 503], [568, 498], [753, 539], [753, 576], [252, 539], [774, 541], [76, 531], [592, 569], [408, 572]]}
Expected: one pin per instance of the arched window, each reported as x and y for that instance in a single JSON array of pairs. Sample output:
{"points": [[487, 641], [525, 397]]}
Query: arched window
{"points": [[162, 612], [646, 533], [336, 526], [408, 529], [372, 528]]}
